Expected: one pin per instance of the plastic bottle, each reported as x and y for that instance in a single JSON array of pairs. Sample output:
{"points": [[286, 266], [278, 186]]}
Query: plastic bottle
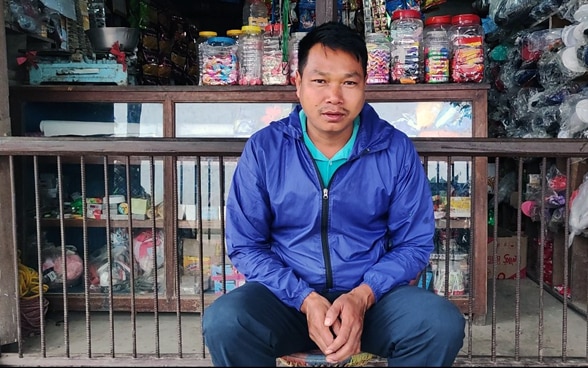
{"points": [[219, 62], [437, 49], [406, 32], [258, 14], [203, 36], [378, 68], [293, 54], [467, 45], [274, 67], [250, 52]]}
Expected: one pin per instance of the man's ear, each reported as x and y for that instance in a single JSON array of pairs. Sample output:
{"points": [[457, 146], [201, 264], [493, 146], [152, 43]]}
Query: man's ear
{"points": [[297, 81]]}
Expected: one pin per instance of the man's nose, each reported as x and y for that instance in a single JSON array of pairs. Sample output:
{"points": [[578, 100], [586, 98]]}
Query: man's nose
{"points": [[335, 93]]}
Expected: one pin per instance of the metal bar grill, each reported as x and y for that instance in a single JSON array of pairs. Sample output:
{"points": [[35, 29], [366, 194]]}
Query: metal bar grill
{"points": [[534, 320]]}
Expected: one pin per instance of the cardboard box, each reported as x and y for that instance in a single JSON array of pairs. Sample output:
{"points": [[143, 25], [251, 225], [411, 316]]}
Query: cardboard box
{"points": [[233, 279], [191, 256], [506, 255]]}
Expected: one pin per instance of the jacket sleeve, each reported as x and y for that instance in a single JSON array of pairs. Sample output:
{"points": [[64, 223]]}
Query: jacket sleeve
{"points": [[248, 236], [411, 223]]}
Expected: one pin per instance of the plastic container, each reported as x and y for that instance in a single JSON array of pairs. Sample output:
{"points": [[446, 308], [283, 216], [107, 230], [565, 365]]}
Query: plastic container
{"points": [[203, 36], [293, 54], [274, 67], [250, 53], [406, 32], [378, 67], [436, 49], [219, 62], [467, 43]]}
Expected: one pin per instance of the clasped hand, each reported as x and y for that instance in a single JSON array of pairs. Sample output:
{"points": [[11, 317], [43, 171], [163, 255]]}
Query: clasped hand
{"points": [[336, 328]]}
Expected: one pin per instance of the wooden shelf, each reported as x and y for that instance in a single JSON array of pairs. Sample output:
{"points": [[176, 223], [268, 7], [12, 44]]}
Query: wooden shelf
{"points": [[122, 302], [12, 28], [182, 224], [454, 223], [94, 160], [50, 222]]}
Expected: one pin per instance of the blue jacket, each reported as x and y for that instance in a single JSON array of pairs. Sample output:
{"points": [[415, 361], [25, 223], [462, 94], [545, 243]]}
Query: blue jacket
{"points": [[373, 223]]}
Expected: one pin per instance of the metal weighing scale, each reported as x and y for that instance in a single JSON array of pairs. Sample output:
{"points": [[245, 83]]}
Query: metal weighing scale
{"points": [[66, 67], [56, 69]]}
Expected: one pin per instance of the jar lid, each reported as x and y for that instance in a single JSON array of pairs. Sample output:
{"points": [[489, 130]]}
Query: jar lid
{"points": [[251, 29], [207, 33], [438, 19], [465, 19], [234, 32], [406, 13], [221, 41]]}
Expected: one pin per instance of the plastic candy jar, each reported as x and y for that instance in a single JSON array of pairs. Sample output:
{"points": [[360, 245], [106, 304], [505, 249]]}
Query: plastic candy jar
{"points": [[378, 66], [467, 43], [437, 49], [274, 67], [203, 36], [293, 54], [406, 32], [219, 62], [250, 53]]}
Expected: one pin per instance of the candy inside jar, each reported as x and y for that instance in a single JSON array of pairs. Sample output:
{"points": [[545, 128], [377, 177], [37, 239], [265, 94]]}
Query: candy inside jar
{"points": [[219, 62]]}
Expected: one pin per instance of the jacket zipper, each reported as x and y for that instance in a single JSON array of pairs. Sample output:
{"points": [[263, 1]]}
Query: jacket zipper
{"points": [[324, 225], [325, 239]]}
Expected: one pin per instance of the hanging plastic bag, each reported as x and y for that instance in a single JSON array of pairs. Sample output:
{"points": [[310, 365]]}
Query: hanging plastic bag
{"points": [[578, 221]]}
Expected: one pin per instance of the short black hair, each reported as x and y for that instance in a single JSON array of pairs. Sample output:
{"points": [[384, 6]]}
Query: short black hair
{"points": [[336, 36]]}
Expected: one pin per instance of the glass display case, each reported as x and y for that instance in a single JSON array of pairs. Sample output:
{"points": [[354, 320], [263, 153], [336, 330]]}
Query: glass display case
{"points": [[190, 263]]}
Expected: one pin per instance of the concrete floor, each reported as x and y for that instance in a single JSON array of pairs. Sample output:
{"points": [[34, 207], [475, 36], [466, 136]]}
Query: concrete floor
{"points": [[500, 329]]}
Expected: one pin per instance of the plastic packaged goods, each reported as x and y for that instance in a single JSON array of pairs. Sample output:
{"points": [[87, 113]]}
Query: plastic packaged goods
{"points": [[378, 67], [467, 43], [406, 32], [561, 66], [293, 54], [436, 49], [274, 67], [203, 36], [250, 53], [258, 14], [219, 62]]}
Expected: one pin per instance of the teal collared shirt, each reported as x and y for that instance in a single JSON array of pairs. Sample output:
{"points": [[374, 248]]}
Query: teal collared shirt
{"points": [[328, 166]]}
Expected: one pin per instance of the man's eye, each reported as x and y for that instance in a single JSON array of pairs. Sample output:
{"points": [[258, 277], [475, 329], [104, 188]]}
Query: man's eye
{"points": [[318, 81], [350, 83]]}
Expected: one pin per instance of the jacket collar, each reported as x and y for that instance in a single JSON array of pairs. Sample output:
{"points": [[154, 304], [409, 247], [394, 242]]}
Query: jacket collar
{"points": [[373, 132]]}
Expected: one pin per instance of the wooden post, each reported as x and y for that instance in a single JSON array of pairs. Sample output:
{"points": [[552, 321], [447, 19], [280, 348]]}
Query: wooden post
{"points": [[8, 301]]}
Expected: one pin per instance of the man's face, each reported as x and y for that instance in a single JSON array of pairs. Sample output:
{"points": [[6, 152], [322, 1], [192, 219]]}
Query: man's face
{"points": [[331, 90]]}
